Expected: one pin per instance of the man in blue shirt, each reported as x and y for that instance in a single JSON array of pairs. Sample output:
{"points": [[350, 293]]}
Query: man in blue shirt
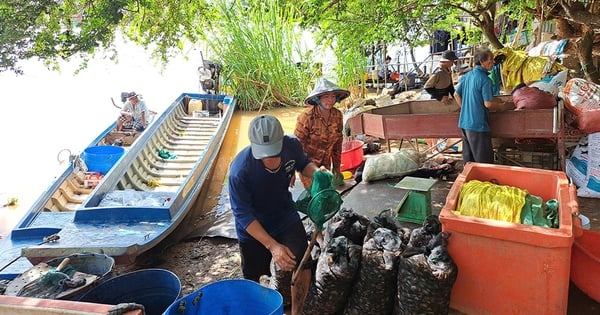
{"points": [[266, 223], [474, 95]]}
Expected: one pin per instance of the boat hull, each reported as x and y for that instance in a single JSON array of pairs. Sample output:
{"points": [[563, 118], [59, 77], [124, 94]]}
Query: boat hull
{"points": [[159, 179]]}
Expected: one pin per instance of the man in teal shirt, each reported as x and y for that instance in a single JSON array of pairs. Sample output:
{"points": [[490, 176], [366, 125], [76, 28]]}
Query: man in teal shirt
{"points": [[475, 97]]}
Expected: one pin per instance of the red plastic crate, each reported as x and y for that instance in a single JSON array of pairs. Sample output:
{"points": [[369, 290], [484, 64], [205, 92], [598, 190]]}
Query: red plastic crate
{"points": [[352, 155]]}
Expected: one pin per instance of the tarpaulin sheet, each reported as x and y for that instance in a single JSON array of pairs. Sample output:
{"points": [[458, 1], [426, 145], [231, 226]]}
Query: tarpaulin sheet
{"points": [[521, 68]]}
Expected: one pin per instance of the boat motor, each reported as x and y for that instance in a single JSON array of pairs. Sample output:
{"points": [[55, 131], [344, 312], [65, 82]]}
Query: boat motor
{"points": [[208, 74]]}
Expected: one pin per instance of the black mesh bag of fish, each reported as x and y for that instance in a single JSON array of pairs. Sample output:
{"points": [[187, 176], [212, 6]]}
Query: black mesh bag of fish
{"points": [[281, 281], [420, 236], [375, 288], [387, 219], [349, 224], [336, 270], [425, 279]]}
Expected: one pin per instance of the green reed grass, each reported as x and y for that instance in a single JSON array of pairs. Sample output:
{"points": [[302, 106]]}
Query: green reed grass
{"points": [[258, 45]]}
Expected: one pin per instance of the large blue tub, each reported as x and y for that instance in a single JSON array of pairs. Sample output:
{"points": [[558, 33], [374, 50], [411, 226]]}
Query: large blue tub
{"points": [[156, 289], [231, 297], [102, 158]]}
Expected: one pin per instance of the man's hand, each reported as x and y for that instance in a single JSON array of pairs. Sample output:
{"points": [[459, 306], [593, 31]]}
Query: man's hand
{"points": [[283, 257], [447, 100]]}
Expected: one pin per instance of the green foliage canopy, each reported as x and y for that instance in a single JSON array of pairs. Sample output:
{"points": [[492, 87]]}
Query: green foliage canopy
{"points": [[52, 30]]}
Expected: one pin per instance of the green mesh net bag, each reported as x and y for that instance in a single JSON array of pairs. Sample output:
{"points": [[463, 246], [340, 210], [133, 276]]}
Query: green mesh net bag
{"points": [[321, 201]]}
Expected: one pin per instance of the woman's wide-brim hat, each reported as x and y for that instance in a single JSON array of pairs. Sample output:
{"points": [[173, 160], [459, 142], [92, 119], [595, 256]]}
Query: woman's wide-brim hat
{"points": [[324, 86]]}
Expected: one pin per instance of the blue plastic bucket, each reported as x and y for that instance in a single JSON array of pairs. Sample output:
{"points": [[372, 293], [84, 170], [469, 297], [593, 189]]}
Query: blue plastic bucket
{"points": [[102, 158], [156, 289], [231, 297]]}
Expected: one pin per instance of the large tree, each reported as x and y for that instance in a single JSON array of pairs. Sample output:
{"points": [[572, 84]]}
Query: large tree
{"points": [[52, 30]]}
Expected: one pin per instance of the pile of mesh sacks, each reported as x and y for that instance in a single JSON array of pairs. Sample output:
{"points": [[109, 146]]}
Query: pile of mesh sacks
{"points": [[378, 266]]}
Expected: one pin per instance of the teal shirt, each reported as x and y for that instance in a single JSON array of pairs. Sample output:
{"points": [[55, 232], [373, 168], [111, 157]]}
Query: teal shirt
{"points": [[475, 88]]}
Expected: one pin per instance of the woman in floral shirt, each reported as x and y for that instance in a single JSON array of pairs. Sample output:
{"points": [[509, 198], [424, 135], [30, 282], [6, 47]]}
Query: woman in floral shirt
{"points": [[320, 127]]}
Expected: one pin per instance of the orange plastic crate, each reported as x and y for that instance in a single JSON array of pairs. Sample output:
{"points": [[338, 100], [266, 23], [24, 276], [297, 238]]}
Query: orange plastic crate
{"points": [[508, 268]]}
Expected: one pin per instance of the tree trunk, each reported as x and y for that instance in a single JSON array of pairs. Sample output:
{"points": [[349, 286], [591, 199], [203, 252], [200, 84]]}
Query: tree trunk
{"points": [[585, 56], [487, 26], [414, 61], [565, 30]]}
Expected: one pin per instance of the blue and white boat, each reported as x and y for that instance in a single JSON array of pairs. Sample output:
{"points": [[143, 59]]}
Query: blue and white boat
{"points": [[142, 199]]}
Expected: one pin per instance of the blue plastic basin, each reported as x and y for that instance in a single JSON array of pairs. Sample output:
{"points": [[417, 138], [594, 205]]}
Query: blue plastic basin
{"points": [[102, 158], [231, 297], [156, 289]]}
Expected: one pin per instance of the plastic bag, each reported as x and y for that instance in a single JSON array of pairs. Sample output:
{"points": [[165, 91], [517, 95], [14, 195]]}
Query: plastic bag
{"points": [[528, 97], [390, 165], [536, 212], [577, 165], [519, 67], [591, 187], [581, 95], [588, 121], [552, 84], [490, 201]]}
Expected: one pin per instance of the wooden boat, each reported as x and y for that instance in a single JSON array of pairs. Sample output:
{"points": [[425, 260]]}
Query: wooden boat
{"points": [[65, 194], [68, 191], [159, 191]]}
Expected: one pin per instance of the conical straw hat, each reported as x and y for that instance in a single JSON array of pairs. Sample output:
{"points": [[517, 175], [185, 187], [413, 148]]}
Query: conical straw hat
{"points": [[325, 86]]}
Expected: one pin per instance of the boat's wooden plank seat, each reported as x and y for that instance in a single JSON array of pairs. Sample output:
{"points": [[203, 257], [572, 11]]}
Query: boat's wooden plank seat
{"points": [[191, 135], [143, 169], [157, 163], [70, 196], [178, 148], [78, 188], [178, 141], [131, 181], [154, 146], [60, 203]]}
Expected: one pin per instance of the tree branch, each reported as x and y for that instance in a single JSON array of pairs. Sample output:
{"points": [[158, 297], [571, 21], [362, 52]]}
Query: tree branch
{"points": [[580, 15]]}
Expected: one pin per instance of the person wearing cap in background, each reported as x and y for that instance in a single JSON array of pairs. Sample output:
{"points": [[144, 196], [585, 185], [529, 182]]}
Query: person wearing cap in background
{"points": [[266, 222], [320, 128], [441, 85], [133, 114]]}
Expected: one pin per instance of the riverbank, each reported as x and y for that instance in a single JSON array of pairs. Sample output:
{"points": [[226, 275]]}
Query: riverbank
{"points": [[203, 260]]}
